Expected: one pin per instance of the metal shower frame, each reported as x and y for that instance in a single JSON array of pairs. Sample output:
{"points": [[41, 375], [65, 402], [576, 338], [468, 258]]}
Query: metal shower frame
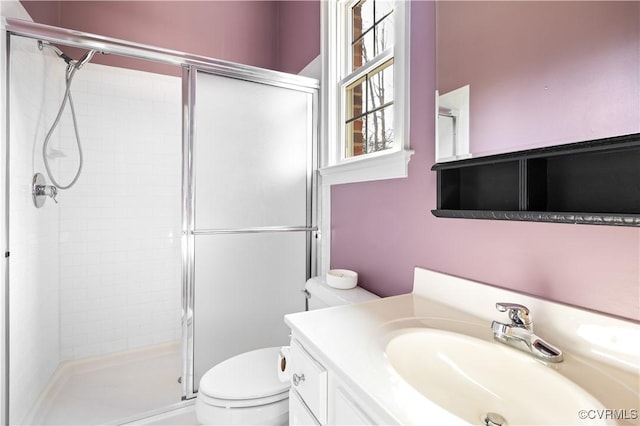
{"points": [[190, 64]]}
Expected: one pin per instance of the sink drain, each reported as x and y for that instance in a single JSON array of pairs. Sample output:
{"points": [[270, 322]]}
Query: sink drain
{"points": [[494, 419]]}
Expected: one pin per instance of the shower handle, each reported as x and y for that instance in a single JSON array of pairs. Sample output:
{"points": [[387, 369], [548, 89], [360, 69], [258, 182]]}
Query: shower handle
{"points": [[40, 190], [48, 191]]}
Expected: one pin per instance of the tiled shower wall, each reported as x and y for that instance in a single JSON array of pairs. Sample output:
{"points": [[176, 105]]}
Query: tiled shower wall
{"points": [[33, 235], [120, 224], [100, 271]]}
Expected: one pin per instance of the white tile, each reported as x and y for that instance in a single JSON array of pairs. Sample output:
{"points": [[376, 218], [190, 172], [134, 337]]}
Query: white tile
{"points": [[111, 227]]}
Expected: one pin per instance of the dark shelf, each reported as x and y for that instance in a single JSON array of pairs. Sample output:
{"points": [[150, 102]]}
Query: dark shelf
{"points": [[592, 182]]}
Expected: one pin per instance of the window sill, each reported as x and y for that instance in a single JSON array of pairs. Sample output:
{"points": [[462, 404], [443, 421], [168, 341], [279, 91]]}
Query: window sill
{"points": [[388, 166]]}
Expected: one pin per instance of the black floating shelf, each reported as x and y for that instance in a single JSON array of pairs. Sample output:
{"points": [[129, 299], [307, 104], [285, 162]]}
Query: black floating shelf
{"points": [[594, 182]]}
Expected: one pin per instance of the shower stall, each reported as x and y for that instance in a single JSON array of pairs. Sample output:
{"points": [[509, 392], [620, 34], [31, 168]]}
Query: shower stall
{"points": [[188, 234]]}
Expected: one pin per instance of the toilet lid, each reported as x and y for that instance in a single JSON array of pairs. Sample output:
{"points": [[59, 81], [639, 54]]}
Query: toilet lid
{"points": [[246, 376]]}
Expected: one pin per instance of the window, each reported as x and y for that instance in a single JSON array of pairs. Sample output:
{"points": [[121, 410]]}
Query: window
{"points": [[368, 102], [369, 108], [366, 80]]}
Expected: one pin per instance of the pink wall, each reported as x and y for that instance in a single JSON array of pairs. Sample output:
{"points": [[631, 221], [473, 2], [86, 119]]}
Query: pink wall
{"points": [[384, 229], [44, 12], [543, 73], [299, 34]]}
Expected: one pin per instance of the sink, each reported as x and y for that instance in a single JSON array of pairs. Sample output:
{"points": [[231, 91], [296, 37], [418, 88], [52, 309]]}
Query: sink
{"points": [[476, 379]]}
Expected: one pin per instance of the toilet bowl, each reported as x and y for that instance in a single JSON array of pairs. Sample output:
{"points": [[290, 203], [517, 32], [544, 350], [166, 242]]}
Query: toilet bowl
{"points": [[245, 389]]}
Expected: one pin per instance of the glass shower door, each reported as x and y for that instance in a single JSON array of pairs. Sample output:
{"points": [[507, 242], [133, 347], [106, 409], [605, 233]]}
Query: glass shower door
{"points": [[250, 231]]}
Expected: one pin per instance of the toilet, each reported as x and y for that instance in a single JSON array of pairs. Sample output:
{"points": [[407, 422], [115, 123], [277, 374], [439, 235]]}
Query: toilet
{"points": [[245, 389]]}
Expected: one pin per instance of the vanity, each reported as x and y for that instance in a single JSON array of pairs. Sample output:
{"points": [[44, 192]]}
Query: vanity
{"points": [[430, 357]]}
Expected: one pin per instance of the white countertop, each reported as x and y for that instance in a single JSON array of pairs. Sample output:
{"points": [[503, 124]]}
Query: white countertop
{"points": [[351, 339]]}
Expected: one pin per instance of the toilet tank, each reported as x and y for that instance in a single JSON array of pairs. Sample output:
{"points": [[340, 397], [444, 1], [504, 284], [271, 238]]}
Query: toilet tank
{"points": [[320, 295]]}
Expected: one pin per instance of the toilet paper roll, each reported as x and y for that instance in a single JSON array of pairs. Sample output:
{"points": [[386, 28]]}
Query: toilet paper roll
{"points": [[284, 371]]}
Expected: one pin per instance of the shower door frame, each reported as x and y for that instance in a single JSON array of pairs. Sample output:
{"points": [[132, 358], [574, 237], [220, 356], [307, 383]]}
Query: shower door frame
{"points": [[190, 65], [189, 231]]}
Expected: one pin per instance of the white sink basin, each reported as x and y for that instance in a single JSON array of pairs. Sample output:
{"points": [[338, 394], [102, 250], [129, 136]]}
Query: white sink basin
{"points": [[470, 378]]}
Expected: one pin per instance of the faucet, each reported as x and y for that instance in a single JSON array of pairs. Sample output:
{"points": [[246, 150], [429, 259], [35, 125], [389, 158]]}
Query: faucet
{"points": [[520, 332]]}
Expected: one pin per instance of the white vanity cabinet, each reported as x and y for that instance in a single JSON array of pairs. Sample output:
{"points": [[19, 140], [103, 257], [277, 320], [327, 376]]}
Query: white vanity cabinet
{"points": [[308, 395], [299, 413], [318, 395], [346, 408]]}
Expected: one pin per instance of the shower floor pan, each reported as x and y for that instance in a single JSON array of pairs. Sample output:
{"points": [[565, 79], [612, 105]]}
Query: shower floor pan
{"points": [[107, 389]]}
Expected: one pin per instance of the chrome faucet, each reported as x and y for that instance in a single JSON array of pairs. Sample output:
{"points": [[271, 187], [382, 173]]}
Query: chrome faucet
{"points": [[520, 333]]}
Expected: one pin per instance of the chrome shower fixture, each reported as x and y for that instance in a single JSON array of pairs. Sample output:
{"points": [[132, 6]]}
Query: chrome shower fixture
{"points": [[86, 58], [77, 64], [72, 66], [60, 53], [40, 190]]}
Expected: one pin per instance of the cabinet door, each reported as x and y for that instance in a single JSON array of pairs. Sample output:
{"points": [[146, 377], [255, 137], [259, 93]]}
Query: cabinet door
{"points": [[309, 379], [299, 414]]}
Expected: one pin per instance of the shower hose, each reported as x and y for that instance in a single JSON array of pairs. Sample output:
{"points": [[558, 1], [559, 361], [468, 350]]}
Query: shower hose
{"points": [[71, 70]]}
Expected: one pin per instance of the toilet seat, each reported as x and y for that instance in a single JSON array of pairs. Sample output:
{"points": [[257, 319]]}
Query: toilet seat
{"points": [[246, 380], [242, 403]]}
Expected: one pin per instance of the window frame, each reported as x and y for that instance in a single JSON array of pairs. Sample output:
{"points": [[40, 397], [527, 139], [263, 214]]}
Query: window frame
{"points": [[336, 61]]}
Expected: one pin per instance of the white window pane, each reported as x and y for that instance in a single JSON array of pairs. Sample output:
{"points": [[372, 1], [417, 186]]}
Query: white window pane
{"points": [[380, 88], [383, 7], [364, 50], [354, 145], [386, 127], [362, 17], [356, 99], [380, 130], [384, 34]]}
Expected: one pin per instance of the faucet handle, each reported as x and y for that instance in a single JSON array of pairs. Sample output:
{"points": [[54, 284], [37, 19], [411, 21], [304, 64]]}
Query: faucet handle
{"points": [[519, 314], [54, 193]]}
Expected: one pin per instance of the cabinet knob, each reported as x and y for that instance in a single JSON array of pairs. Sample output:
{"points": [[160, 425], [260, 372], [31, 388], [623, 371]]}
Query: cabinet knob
{"points": [[297, 379]]}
